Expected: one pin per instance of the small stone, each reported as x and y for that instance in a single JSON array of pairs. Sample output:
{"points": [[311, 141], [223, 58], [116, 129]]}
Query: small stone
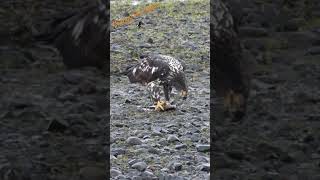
{"points": [[115, 172], [121, 177], [203, 147], [148, 173], [202, 159], [156, 130], [133, 161], [181, 146], [172, 138], [154, 150], [134, 141], [112, 157], [117, 151], [204, 167], [195, 137], [150, 40], [176, 166], [140, 166], [137, 178], [163, 142]]}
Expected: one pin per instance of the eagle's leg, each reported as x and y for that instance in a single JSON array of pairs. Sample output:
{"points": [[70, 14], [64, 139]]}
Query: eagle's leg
{"points": [[154, 91], [167, 90]]}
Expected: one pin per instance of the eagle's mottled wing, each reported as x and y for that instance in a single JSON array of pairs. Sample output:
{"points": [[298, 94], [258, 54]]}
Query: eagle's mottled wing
{"points": [[149, 69]]}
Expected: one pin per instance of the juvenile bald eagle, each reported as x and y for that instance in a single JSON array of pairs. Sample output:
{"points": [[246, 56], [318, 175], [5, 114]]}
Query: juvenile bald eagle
{"points": [[155, 71]]}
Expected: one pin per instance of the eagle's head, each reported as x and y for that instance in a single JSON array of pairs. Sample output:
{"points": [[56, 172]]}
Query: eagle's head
{"points": [[180, 83]]}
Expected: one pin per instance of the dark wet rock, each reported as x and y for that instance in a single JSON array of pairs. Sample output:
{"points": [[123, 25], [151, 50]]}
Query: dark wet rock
{"points": [[271, 175], [253, 32], [236, 154], [222, 161], [140, 166], [56, 125], [91, 172], [73, 77], [14, 59], [87, 87], [67, 96], [294, 24], [253, 43], [314, 50], [300, 39]]}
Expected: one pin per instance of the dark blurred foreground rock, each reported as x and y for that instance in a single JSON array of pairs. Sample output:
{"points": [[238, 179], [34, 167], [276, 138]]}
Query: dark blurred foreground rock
{"points": [[82, 37]]}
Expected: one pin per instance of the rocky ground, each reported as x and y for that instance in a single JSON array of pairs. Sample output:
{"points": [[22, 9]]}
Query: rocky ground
{"points": [[279, 139], [168, 145]]}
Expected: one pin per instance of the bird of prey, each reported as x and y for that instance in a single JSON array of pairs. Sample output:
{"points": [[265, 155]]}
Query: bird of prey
{"points": [[158, 70], [230, 73]]}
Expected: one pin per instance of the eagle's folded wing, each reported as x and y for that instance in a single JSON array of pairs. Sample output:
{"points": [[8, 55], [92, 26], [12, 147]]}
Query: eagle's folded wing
{"points": [[146, 71]]}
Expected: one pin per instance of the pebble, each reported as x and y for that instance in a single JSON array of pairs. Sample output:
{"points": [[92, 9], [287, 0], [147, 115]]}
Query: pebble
{"points": [[180, 146], [117, 151], [204, 167], [176, 166], [172, 138], [115, 172], [140, 166], [134, 141], [203, 147]]}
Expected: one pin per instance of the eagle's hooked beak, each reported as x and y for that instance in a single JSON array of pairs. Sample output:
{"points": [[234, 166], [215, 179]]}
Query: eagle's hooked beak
{"points": [[184, 94]]}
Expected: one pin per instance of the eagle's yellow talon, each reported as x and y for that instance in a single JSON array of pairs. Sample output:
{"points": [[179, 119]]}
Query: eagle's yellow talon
{"points": [[160, 106]]}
